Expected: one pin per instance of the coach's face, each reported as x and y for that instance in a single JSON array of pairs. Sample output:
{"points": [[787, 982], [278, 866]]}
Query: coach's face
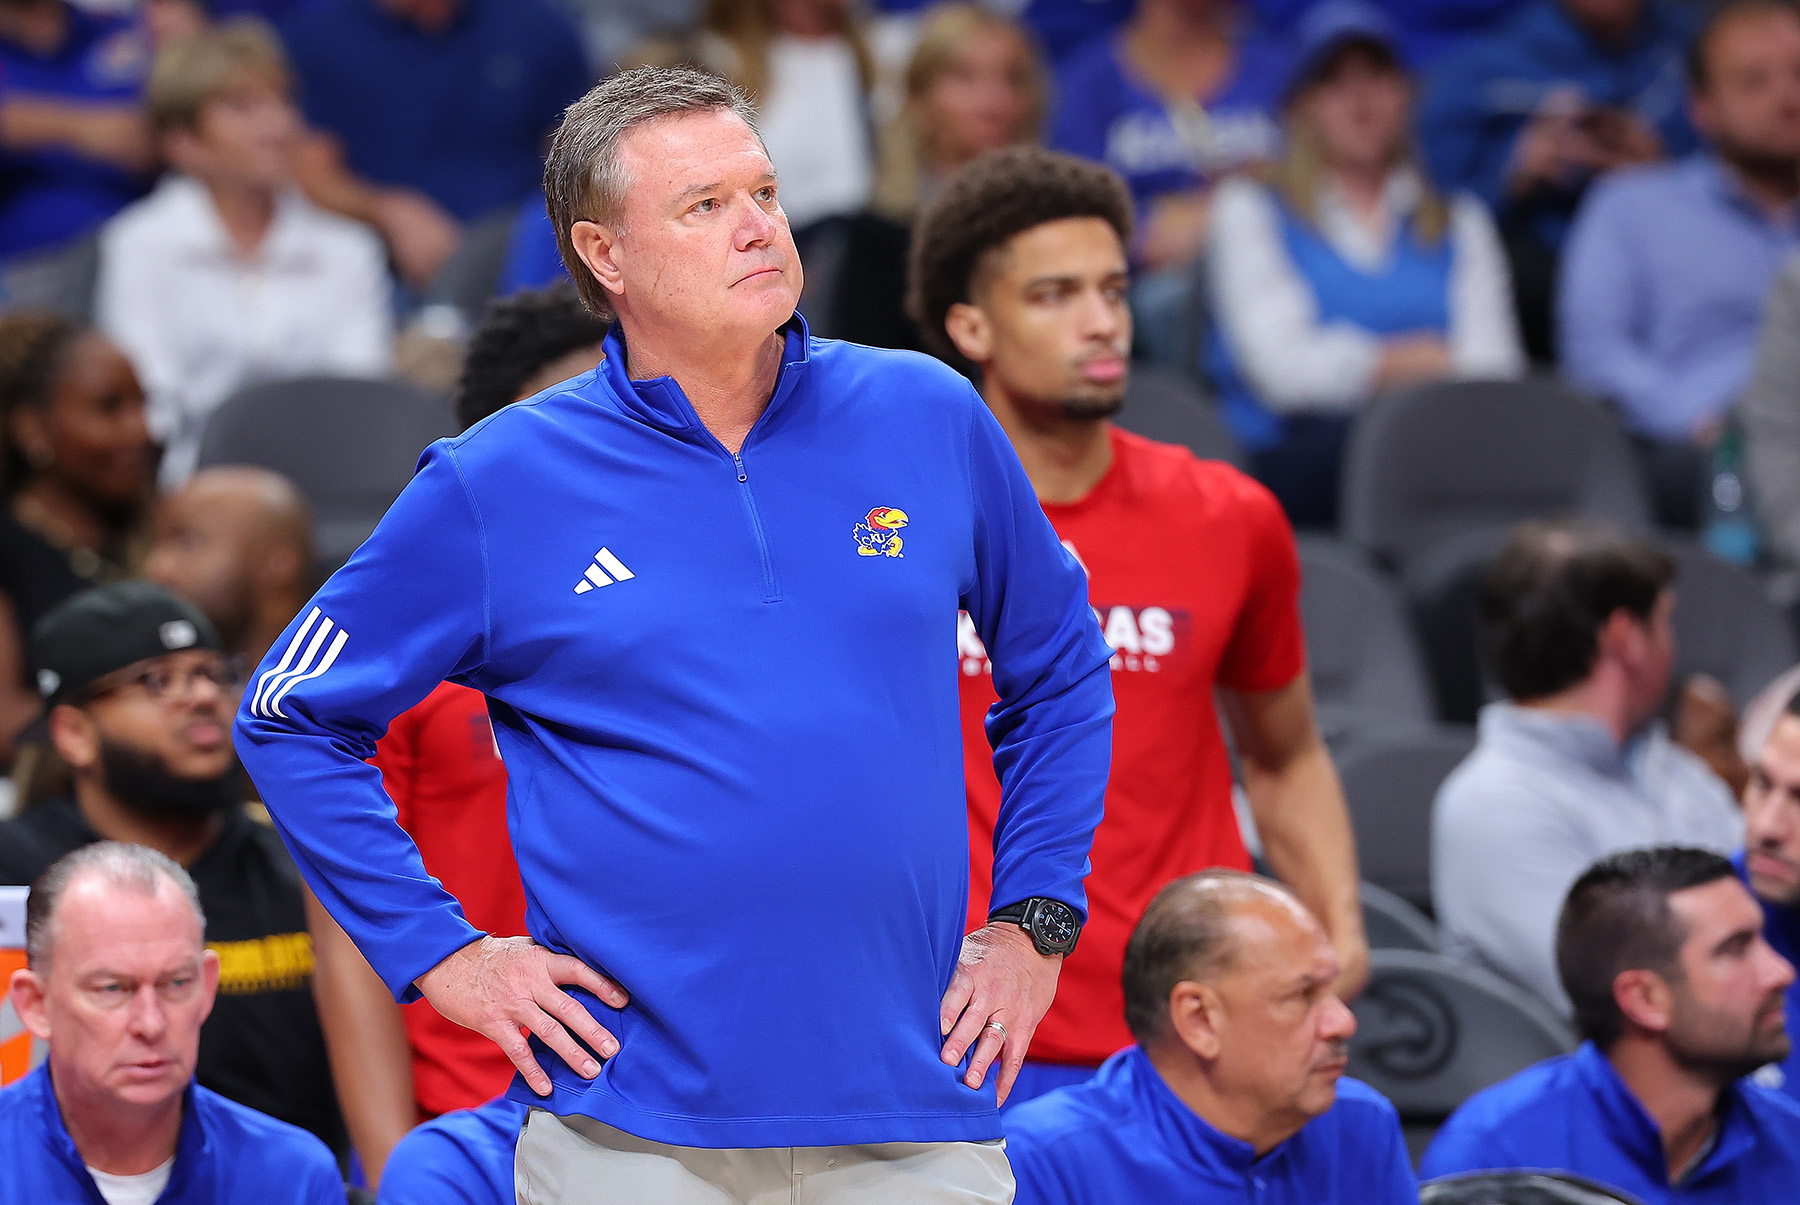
{"points": [[702, 244], [1772, 815]]}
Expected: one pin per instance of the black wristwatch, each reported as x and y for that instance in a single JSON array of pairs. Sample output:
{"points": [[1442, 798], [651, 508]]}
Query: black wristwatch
{"points": [[1051, 924]]}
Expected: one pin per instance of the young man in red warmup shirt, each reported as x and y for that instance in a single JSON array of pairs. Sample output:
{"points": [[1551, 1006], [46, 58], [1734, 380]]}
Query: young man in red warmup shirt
{"points": [[1020, 268]]}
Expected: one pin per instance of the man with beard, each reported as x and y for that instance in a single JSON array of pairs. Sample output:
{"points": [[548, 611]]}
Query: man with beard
{"points": [[1020, 267], [139, 694], [1770, 863], [1667, 267], [1679, 996], [1235, 1091]]}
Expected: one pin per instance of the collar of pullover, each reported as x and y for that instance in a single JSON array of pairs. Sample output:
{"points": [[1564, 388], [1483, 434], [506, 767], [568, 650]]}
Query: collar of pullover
{"points": [[660, 402]]}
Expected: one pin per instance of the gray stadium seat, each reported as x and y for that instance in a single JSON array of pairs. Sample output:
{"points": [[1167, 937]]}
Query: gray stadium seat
{"points": [[1726, 626], [61, 281], [1166, 406], [350, 445], [1449, 458], [1520, 1188], [469, 277], [1390, 780], [1365, 661], [1431, 1032], [1393, 924]]}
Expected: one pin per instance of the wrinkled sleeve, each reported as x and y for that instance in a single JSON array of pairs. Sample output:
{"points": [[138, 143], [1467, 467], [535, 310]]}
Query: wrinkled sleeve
{"points": [[1051, 730], [408, 610]]}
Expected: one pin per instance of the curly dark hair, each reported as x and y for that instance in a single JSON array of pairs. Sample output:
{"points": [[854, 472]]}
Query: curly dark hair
{"points": [[994, 197], [518, 336]]}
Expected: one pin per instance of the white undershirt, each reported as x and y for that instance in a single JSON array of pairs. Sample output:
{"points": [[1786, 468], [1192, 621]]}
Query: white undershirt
{"points": [[141, 1189]]}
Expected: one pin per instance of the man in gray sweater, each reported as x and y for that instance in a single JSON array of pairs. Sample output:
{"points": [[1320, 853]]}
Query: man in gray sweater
{"points": [[1575, 766]]}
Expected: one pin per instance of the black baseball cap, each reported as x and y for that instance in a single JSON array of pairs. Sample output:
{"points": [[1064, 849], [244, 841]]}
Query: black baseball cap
{"points": [[109, 627]]}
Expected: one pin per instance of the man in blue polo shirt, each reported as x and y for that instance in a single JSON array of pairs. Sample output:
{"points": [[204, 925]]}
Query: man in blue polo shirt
{"points": [[1770, 863], [436, 110], [118, 982], [1680, 997], [1234, 1091]]}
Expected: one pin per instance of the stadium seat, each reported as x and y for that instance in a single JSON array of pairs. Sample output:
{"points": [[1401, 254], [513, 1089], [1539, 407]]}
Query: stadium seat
{"points": [[1166, 406], [1431, 1032], [62, 281], [1726, 625], [1445, 459], [468, 278], [1390, 779], [350, 445], [1519, 1188], [1393, 924], [1365, 661]]}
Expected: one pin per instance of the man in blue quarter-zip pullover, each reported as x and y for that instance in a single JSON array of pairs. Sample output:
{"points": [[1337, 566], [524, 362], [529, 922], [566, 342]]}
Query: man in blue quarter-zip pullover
{"points": [[707, 589], [1234, 1092], [1679, 997]]}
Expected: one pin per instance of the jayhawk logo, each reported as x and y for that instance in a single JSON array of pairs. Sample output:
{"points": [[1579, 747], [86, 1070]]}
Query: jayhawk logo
{"points": [[879, 534]]}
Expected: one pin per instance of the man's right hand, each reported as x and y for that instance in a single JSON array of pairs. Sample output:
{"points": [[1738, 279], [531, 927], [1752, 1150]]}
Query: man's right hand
{"points": [[502, 987]]}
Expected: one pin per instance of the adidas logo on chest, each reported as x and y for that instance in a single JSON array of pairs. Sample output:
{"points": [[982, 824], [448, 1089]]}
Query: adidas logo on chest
{"points": [[606, 570]]}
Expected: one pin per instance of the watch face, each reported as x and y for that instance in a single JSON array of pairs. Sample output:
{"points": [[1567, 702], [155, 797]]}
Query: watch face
{"points": [[1054, 925]]}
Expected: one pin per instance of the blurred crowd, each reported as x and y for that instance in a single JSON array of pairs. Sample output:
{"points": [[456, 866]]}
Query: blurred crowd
{"points": [[1321, 204]]}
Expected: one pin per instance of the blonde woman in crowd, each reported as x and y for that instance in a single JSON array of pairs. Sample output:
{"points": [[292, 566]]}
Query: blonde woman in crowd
{"points": [[1349, 274], [974, 83]]}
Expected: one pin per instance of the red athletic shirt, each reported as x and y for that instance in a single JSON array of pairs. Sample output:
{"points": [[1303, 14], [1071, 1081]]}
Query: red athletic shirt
{"points": [[1193, 573], [441, 765]]}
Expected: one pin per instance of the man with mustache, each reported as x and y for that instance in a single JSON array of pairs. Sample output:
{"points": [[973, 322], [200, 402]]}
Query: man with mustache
{"points": [[1679, 997], [1770, 863], [1235, 1090], [139, 694], [1020, 268]]}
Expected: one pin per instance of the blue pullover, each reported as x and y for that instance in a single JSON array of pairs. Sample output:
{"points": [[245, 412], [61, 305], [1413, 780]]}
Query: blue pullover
{"points": [[225, 1154], [729, 727], [1125, 1136], [463, 1157], [1574, 1114]]}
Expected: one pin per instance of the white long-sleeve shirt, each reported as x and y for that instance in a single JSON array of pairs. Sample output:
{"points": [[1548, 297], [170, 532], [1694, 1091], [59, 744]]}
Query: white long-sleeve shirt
{"points": [[1269, 314], [199, 320]]}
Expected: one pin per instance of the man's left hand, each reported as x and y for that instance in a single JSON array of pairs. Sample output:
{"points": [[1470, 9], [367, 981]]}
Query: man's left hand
{"points": [[1001, 990]]}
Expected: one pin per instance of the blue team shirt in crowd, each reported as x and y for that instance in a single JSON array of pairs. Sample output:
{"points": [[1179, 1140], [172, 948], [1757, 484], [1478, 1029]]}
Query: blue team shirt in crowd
{"points": [[464, 1157], [1661, 291], [1105, 113], [1478, 98], [1124, 1136], [533, 260], [734, 768], [462, 116], [1781, 929], [48, 197], [1574, 1114], [226, 1154]]}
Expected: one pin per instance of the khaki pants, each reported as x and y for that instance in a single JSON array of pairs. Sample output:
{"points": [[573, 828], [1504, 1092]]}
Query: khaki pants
{"points": [[580, 1161]]}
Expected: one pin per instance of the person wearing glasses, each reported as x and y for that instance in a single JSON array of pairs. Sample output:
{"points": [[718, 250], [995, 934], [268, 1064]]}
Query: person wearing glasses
{"points": [[139, 694]]}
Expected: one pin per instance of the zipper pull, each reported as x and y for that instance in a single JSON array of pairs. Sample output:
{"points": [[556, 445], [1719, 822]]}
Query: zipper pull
{"points": [[738, 459]]}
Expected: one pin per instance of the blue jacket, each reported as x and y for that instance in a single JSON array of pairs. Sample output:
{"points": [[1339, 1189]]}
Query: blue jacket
{"points": [[1574, 1114], [1124, 1136], [1478, 98], [225, 1154], [731, 739], [1781, 929], [464, 1157]]}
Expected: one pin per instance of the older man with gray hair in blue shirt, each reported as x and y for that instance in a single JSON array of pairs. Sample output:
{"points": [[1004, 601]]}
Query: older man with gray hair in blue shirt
{"points": [[1574, 767]]}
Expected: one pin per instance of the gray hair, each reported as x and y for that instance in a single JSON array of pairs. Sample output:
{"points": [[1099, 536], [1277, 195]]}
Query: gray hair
{"points": [[132, 867], [583, 180]]}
